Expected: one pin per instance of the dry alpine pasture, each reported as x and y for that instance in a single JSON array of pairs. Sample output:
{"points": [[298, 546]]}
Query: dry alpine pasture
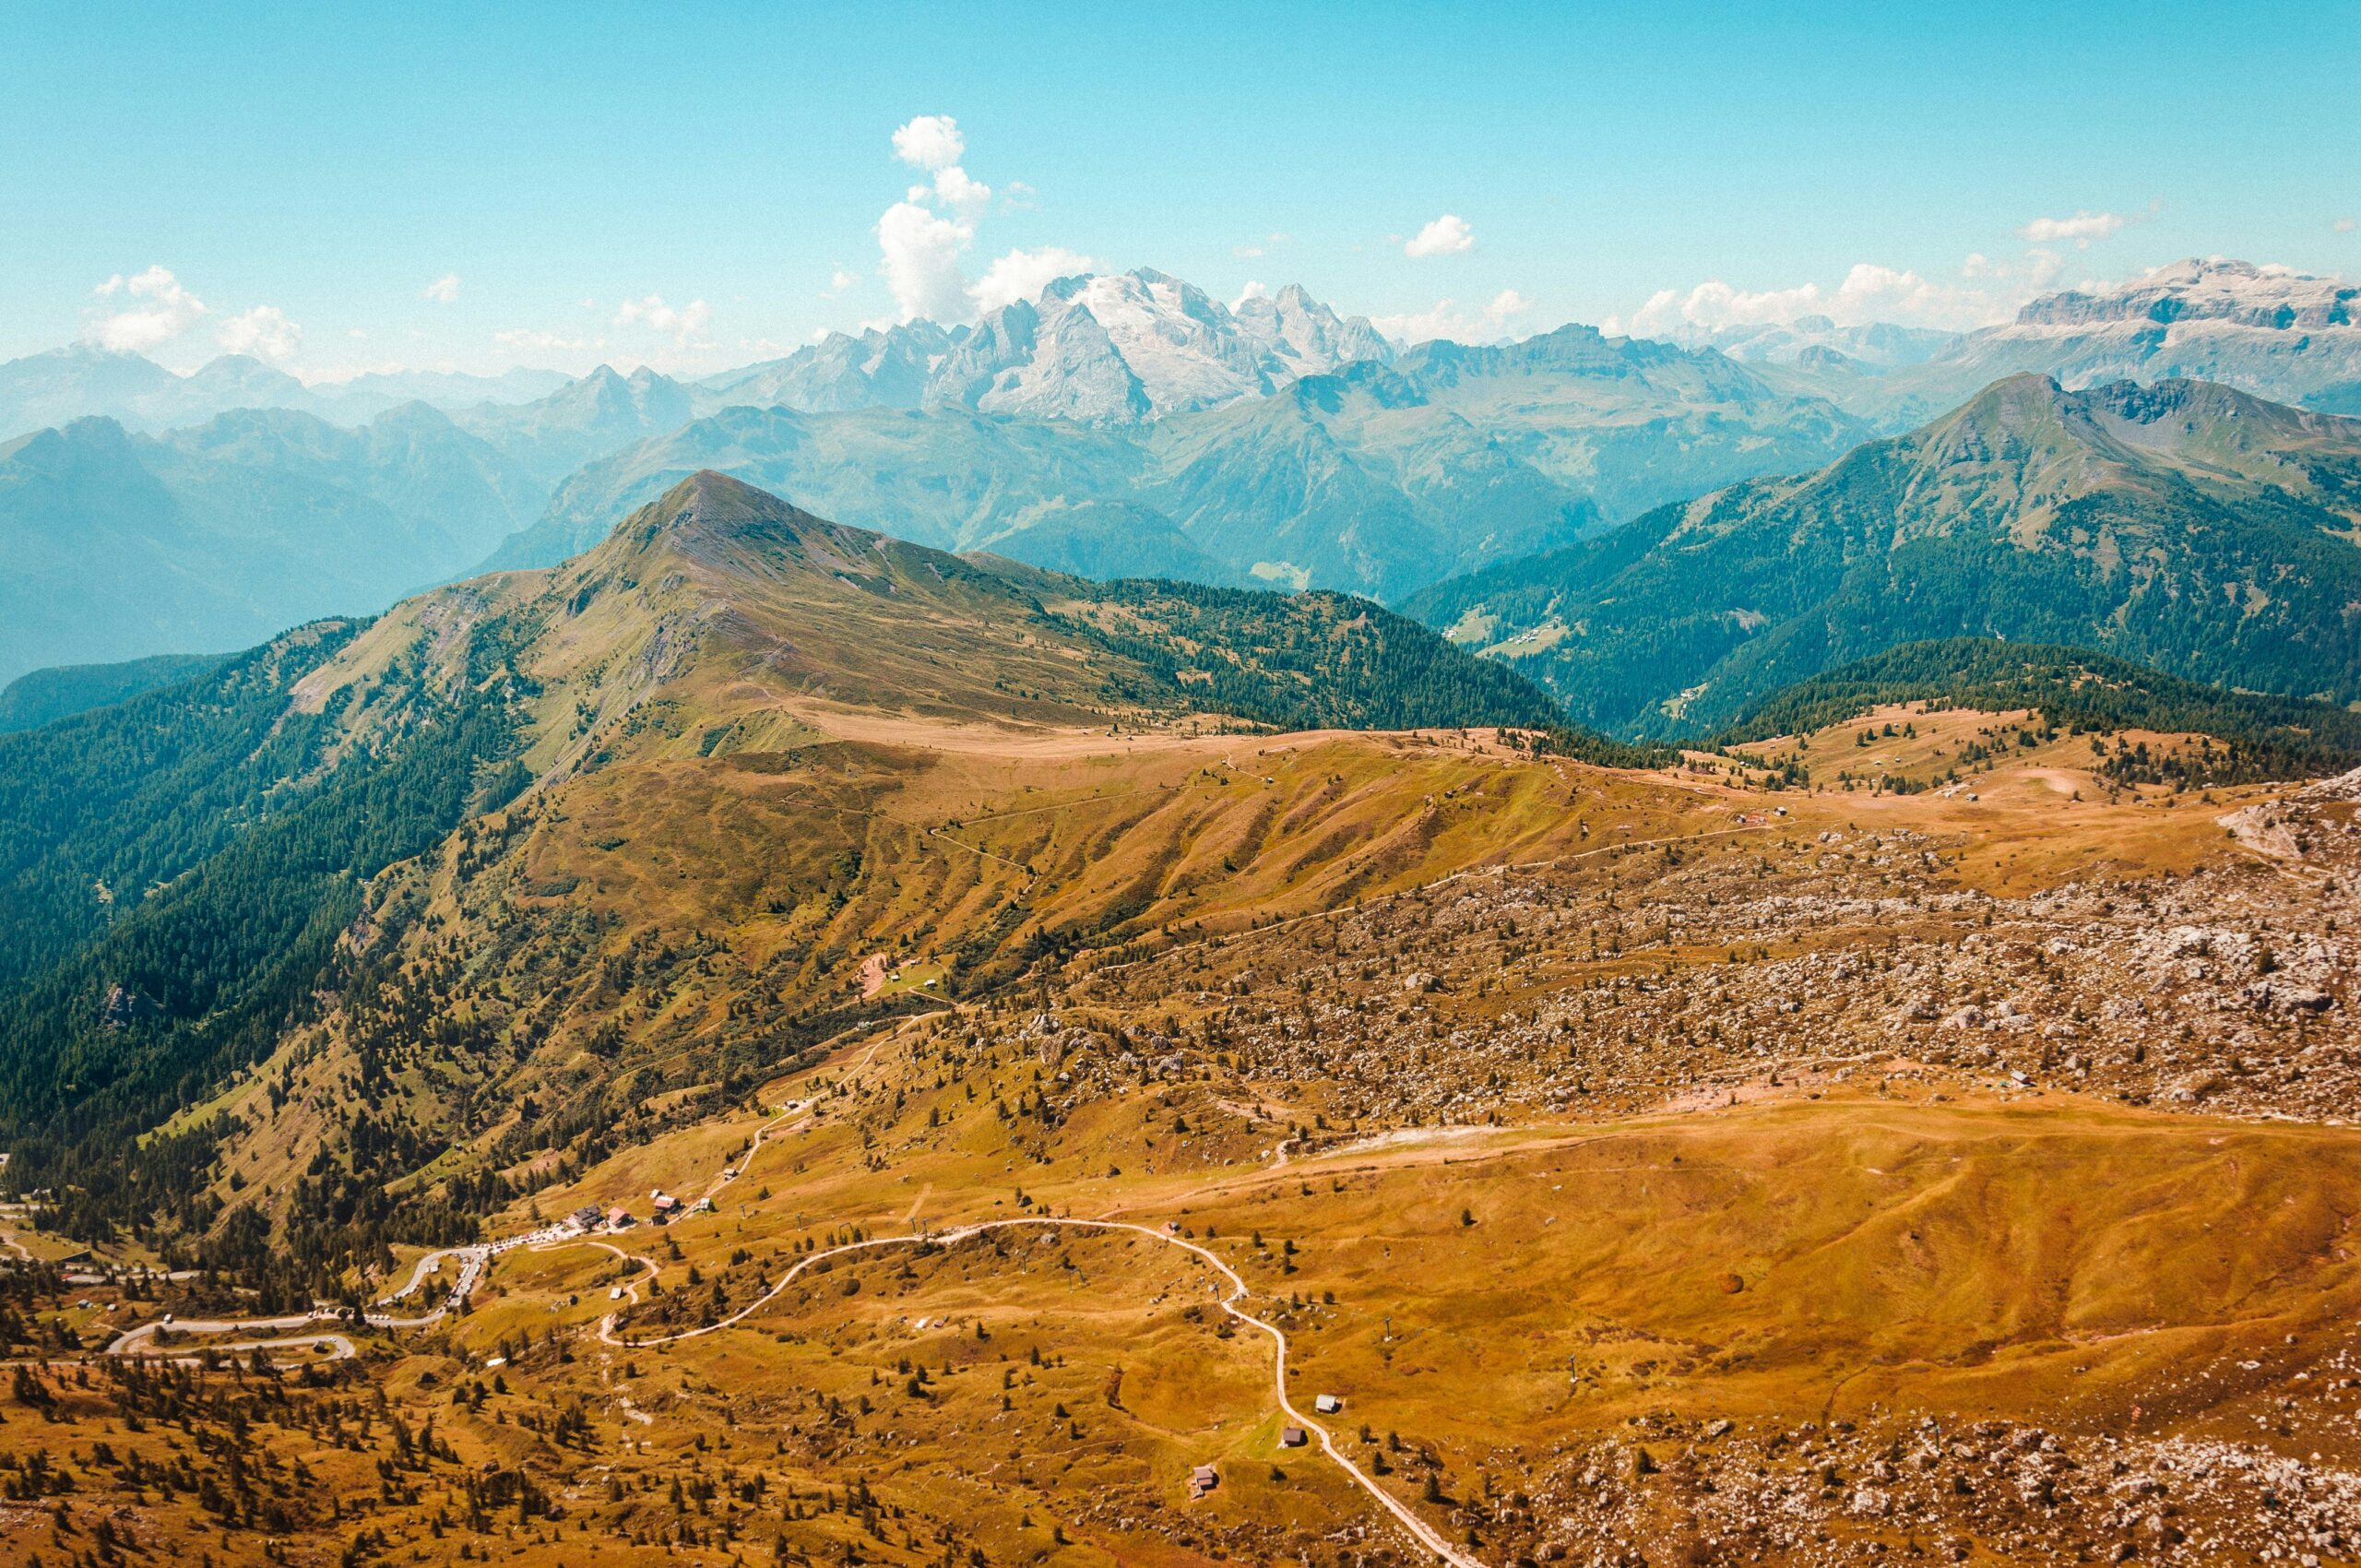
{"points": [[1661, 1168]]}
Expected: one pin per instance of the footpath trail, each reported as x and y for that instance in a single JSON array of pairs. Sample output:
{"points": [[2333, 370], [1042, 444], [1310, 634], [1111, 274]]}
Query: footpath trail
{"points": [[1424, 1534]]}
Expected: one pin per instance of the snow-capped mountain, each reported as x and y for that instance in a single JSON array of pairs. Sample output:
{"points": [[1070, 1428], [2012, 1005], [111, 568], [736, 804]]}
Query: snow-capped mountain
{"points": [[1103, 347]]}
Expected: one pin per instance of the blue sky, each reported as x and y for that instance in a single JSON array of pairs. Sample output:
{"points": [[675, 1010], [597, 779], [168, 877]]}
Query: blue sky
{"points": [[697, 185]]}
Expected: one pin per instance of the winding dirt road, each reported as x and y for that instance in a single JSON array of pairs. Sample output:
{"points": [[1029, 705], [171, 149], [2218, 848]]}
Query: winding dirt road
{"points": [[477, 1259], [1426, 1534]]}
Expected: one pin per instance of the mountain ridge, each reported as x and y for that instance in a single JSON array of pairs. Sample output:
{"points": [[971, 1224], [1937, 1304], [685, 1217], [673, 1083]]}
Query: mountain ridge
{"points": [[2186, 526], [1371, 478]]}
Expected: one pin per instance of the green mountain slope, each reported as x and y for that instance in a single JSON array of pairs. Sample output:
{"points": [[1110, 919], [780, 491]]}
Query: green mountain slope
{"points": [[2071, 689], [1106, 539], [187, 875], [179, 871], [43, 696], [2185, 526]]}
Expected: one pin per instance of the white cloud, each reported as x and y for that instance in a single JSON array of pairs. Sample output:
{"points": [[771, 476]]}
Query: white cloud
{"points": [[1869, 292], [2083, 228], [525, 338], [166, 309], [1017, 197], [931, 141], [2344, 225], [923, 238], [443, 290], [1447, 320], [1252, 290], [1447, 235], [841, 279], [1022, 275], [685, 325], [921, 250], [962, 195], [263, 331]]}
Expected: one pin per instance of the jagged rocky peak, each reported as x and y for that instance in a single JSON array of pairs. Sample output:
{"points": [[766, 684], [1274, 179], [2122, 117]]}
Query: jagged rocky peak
{"points": [[1116, 348]]}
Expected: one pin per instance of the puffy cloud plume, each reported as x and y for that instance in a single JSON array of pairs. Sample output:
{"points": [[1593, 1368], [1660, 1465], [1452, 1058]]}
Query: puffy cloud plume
{"points": [[1447, 235], [161, 311], [921, 250], [443, 290], [685, 325], [931, 141], [2083, 228], [263, 331], [1021, 275], [1447, 320], [960, 194], [923, 238]]}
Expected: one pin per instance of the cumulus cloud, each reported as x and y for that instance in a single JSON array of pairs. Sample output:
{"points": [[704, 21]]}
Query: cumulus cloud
{"points": [[923, 238], [920, 250], [1447, 235], [1253, 290], [263, 331], [443, 290], [1495, 320], [2344, 225], [530, 338], [965, 196], [159, 311], [1021, 275], [2083, 228], [1870, 292], [685, 325], [931, 141], [840, 279]]}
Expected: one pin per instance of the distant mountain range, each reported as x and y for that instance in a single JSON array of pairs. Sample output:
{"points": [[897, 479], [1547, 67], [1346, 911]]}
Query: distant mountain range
{"points": [[2185, 526], [1116, 424], [121, 545], [1816, 341], [81, 381], [1376, 478]]}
